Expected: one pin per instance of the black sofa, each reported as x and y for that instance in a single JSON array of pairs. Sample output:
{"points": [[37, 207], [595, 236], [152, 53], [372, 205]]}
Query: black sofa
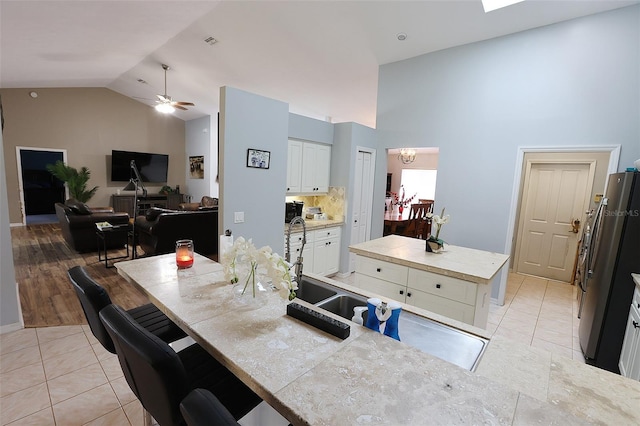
{"points": [[158, 231], [78, 225]]}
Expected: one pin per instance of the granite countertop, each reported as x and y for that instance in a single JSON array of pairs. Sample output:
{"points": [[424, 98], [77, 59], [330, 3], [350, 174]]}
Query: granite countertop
{"points": [[314, 378], [314, 224], [467, 264]]}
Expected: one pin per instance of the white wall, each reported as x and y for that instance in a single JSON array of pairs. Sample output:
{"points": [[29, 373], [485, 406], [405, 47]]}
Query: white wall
{"points": [[201, 138], [10, 317], [575, 83], [253, 121]]}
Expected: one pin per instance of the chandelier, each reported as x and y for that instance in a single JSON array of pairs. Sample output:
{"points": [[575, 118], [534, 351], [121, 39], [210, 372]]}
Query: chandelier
{"points": [[407, 155]]}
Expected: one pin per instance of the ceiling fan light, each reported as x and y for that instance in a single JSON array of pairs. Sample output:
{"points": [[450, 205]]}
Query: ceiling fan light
{"points": [[407, 155], [165, 108]]}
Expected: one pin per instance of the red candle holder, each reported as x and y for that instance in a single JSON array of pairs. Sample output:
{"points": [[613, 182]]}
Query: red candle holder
{"points": [[184, 254]]}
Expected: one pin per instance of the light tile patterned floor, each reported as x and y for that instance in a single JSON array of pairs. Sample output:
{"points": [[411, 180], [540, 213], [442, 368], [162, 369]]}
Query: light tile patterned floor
{"points": [[540, 313], [63, 376]]}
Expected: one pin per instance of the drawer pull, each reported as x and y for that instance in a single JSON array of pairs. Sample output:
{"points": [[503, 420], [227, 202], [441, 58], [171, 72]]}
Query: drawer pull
{"points": [[635, 324], [638, 305], [408, 294], [378, 269], [401, 291], [438, 285]]}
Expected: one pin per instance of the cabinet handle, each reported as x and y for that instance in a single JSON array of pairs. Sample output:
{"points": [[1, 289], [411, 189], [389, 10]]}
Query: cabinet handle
{"points": [[438, 286], [401, 291], [638, 305], [635, 324], [378, 269], [408, 294]]}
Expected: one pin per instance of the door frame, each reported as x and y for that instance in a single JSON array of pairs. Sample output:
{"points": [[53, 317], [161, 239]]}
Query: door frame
{"points": [[19, 150], [614, 159]]}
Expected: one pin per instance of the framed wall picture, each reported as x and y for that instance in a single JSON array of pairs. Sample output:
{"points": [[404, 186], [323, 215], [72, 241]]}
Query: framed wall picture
{"points": [[258, 158], [196, 167]]}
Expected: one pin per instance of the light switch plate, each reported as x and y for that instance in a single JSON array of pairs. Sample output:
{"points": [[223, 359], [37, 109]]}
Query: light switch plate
{"points": [[238, 217]]}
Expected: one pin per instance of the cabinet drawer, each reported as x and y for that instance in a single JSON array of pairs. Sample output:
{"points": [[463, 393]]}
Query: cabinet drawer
{"points": [[440, 285], [441, 305], [381, 287], [296, 238], [323, 234], [636, 298], [383, 270]]}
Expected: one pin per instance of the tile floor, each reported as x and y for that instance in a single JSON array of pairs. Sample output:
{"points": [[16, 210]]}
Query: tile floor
{"points": [[63, 376]]}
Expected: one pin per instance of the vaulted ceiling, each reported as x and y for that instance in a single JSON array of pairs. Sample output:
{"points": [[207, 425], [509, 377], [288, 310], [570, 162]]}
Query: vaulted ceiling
{"points": [[321, 57]]}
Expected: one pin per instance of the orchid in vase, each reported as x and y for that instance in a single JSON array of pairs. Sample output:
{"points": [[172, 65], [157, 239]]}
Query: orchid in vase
{"points": [[257, 267], [438, 220], [401, 201]]}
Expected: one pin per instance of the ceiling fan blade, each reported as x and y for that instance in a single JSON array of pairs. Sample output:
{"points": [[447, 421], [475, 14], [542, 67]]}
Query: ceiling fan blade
{"points": [[184, 103], [179, 107]]}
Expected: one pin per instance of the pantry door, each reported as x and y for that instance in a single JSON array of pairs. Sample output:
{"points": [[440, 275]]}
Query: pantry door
{"points": [[554, 196], [362, 200]]}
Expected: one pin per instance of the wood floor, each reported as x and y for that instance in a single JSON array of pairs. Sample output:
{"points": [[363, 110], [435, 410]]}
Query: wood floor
{"points": [[41, 259]]}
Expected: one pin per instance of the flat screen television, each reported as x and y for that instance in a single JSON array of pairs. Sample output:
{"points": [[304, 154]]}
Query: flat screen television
{"points": [[153, 168]]}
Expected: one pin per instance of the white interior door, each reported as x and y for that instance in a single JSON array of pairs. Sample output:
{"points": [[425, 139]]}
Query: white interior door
{"points": [[554, 196], [362, 201]]}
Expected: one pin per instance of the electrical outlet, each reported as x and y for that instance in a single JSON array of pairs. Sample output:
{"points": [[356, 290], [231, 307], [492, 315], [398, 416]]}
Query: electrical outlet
{"points": [[238, 217]]}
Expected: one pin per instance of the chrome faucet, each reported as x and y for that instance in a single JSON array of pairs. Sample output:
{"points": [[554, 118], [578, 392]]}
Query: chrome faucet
{"points": [[287, 256]]}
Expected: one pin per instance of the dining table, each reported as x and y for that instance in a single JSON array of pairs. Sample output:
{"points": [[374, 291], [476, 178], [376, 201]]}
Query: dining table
{"points": [[309, 376]]}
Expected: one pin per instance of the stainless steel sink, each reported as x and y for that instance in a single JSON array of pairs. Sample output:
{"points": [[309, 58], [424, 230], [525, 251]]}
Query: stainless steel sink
{"points": [[314, 291], [343, 304], [444, 342]]}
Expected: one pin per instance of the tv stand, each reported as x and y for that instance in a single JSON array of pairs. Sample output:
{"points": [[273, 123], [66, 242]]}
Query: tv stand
{"points": [[125, 203]]}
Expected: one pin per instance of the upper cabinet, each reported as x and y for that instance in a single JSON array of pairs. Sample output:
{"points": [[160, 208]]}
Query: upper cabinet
{"points": [[294, 166], [308, 168]]}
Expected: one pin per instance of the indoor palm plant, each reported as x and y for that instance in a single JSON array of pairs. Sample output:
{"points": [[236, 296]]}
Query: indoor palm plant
{"points": [[76, 180]]}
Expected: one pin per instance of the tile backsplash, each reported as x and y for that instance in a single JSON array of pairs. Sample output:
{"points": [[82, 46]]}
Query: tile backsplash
{"points": [[331, 203]]}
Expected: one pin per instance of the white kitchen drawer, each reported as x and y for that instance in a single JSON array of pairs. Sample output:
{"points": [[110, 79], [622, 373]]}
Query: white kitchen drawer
{"points": [[325, 233], [296, 237], [443, 286], [380, 269], [440, 305], [636, 298], [380, 287]]}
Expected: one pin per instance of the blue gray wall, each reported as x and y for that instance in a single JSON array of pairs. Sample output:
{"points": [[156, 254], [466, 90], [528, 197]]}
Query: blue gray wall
{"points": [[575, 83], [10, 318], [310, 129], [201, 138], [252, 121]]}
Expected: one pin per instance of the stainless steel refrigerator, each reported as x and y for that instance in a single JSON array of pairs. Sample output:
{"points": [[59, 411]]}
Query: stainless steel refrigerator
{"points": [[609, 286]]}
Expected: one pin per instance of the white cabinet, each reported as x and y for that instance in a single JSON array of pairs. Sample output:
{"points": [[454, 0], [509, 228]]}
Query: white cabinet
{"points": [[308, 168], [321, 254], [294, 166], [630, 356], [326, 251], [454, 298]]}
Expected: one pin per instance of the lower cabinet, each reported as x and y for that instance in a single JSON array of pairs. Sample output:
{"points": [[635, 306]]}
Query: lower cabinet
{"points": [[630, 356], [321, 253], [454, 298]]}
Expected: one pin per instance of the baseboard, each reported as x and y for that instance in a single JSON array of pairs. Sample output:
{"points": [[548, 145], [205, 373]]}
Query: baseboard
{"points": [[15, 225]]}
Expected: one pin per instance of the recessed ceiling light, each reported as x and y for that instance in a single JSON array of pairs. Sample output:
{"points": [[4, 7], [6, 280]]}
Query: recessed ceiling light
{"points": [[210, 41], [33, 94], [490, 5], [401, 36]]}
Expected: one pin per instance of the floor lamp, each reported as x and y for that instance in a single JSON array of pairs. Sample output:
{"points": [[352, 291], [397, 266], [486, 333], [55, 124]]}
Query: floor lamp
{"points": [[134, 184]]}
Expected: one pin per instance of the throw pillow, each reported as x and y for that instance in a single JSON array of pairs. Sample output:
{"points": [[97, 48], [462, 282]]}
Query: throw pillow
{"points": [[78, 207]]}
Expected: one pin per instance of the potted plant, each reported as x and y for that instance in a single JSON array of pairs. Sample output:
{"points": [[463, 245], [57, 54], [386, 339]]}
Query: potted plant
{"points": [[75, 180]]}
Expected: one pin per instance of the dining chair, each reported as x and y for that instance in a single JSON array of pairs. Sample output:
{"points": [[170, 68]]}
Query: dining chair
{"points": [[162, 378], [201, 408], [93, 298]]}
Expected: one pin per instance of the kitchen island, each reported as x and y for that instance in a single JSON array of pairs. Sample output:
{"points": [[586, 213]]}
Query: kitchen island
{"points": [[455, 282], [311, 377]]}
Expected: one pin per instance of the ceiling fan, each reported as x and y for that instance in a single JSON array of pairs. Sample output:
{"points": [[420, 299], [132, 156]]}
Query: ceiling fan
{"points": [[165, 103]]}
